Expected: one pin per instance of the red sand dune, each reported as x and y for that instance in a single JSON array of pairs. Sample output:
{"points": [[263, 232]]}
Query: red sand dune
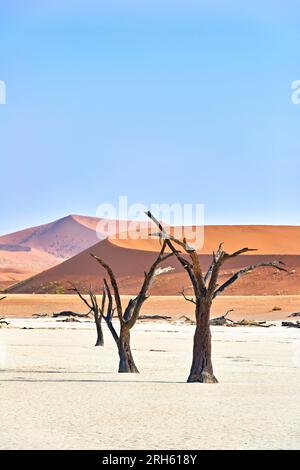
{"points": [[129, 259], [62, 238], [266, 239], [35, 249]]}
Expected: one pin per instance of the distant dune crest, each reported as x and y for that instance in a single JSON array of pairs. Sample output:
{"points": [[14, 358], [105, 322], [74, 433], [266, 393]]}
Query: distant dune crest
{"points": [[27, 252]]}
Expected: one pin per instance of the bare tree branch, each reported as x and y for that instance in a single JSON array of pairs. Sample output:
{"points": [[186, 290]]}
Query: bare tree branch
{"points": [[194, 274], [133, 310], [129, 309], [94, 303], [114, 286], [103, 302], [274, 264], [237, 253], [163, 234], [74, 288], [187, 298], [228, 311], [213, 263], [219, 260], [93, 306], [168, 255], [110, 312]]}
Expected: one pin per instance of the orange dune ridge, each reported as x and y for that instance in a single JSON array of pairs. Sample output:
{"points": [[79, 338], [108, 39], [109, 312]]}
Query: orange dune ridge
{"points": [[266, 239]]}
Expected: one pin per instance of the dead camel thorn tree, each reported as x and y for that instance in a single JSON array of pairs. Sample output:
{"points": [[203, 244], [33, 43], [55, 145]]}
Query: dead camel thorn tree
{"points": [[205, 289], [129, 316], [97, 313]]}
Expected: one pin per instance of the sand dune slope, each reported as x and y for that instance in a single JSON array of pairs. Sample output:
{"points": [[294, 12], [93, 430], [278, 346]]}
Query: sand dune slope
{"points": [[129, 266], [32, 250], [266, 239], [62, 238]]}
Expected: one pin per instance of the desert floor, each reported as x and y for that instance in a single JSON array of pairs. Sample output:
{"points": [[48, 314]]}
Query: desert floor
{"points": [[58, 391], [249, 307]]}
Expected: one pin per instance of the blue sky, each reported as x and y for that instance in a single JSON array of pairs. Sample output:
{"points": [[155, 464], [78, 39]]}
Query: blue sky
{"points": [[163, 101]]}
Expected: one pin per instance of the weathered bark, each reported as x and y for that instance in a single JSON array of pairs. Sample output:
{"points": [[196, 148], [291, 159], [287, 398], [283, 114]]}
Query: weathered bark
{"points": [[100, 339], [126, 362], [202, 369]]}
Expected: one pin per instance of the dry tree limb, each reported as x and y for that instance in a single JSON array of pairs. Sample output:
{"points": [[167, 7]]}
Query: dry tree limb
{"points": [[68, 313], [186, 320], [188, 299], [222, 320], [93, 307], [275, 264], [216, 257], [109, 311], [291, 324], [154, 317], [244, 322], [193, 268], [114, 286]]}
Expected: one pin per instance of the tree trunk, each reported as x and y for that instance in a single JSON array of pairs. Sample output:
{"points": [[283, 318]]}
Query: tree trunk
{"points": [[202, 369], [126, 363], [100, 339]]}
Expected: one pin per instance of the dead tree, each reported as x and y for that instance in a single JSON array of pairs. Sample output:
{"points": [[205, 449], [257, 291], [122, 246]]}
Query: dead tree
{"points": [[205, 289], [128, 317], [97, 313]]}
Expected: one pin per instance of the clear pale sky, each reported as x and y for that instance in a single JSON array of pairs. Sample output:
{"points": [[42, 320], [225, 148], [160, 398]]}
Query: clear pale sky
{"points": [[163, 101]]}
